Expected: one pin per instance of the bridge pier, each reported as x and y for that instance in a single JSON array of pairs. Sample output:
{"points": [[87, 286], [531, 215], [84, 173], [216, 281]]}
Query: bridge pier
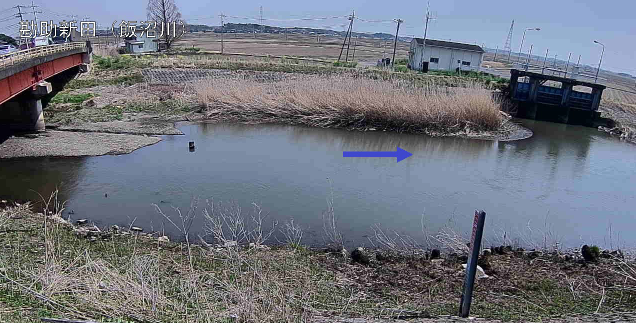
{"points": [[25, 112]]}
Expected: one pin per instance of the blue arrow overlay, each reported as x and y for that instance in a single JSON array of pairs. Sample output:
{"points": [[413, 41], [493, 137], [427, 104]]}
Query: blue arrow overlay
{"points": [[400, 154]]}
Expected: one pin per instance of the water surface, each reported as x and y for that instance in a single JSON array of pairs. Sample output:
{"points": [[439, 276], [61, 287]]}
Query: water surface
{"points": [[570, 183]]}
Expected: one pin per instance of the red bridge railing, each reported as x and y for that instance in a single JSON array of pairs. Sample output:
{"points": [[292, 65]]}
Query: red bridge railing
{"points": [[38, 51]]}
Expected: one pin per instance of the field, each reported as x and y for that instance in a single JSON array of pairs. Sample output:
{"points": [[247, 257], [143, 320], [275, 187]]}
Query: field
{"points": [[367, 51]]}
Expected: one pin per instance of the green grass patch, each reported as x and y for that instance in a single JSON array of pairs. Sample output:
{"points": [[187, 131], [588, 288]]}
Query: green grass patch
{"points": [[64, 97], [126, 80]]}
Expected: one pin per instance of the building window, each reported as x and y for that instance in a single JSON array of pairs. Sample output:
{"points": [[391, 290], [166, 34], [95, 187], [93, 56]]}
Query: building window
{"points": [[465, 63], [459, 61], [435, 60], [141, 45]]}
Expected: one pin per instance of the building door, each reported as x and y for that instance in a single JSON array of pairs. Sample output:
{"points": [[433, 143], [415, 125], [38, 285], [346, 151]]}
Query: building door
{"points": [[425, 67]]}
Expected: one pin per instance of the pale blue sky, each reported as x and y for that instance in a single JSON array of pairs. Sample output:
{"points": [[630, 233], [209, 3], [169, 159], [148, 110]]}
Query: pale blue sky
{"points": [[566, 25]]}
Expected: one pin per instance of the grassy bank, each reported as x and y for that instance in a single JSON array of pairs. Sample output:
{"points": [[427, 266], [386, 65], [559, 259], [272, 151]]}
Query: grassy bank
{"points": [[49, 268], [352, 103]]}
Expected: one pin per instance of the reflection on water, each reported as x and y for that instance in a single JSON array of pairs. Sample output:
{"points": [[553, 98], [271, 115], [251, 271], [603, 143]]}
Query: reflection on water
{"points": [[566, 182]]}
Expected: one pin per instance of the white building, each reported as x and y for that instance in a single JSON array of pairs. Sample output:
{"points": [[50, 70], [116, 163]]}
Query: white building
{"points": [[444, 55], [141, 44]]}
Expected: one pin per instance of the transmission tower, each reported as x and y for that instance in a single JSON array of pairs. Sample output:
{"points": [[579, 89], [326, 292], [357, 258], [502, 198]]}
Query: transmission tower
{"points": [[509, 40], [261, 18]]}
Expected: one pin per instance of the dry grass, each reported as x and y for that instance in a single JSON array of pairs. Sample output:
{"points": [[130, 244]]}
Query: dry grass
{"points": [[48, 270], [352, 103], [138, 278], [105, 50]]}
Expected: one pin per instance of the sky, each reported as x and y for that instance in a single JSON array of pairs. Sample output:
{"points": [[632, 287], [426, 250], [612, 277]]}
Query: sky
{"points": [[567, 26]]}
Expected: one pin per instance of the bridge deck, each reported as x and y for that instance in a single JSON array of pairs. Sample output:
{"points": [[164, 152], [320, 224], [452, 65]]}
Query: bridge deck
{"points": [[22, 69]]}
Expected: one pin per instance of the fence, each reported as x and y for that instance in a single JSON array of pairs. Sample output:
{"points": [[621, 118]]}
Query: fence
{"points": [[38, 51]]}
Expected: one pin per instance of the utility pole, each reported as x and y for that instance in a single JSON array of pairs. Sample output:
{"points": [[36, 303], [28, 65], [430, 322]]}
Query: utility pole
{"points": [[35, 13], [346, 35], [19, 15], [350, 33], [529, 57], [399, 21], [222, 31], [545, 60], [567, 65], [428, 18]]}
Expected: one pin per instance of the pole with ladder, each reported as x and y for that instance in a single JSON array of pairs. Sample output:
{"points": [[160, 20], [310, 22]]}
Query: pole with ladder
{"points": [[399, 21], [346, 35]]}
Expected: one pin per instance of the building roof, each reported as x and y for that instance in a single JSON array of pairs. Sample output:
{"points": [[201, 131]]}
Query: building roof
{"points": [[448, 44]]}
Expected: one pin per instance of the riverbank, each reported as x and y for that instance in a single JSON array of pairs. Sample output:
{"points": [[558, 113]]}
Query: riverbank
{"points": [[50, 268], [148, 95]]}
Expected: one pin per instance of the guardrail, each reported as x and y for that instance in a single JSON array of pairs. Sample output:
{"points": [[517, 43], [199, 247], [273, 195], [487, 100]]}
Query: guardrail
{"points": [[38, 51]]}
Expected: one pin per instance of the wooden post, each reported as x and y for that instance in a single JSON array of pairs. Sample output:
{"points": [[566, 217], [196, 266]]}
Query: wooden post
{"points": [[471, 267]]}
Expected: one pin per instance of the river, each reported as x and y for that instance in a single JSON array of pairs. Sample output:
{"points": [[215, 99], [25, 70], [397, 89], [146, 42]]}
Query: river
{"points": [[566, 184]]}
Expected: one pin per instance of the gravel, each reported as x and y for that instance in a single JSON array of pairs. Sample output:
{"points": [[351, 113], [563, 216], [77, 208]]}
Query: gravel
{"points": [[137, 127], [72, 144]]}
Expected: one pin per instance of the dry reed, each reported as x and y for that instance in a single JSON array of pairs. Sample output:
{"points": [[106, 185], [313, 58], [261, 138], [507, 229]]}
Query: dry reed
{"points": [[105, 50], [351, 103]]}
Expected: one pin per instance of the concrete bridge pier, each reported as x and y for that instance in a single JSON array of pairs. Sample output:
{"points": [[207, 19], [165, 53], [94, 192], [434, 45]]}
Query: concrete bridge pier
{"points": [[25, 112]]}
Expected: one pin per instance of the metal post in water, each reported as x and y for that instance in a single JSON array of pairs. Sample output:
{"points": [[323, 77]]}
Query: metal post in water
{"points": [[471, 266]]}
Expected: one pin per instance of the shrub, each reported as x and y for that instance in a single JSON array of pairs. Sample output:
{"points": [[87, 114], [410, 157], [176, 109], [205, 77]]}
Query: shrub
{"points": [[401, 68], [402, 61], [345, 64]]}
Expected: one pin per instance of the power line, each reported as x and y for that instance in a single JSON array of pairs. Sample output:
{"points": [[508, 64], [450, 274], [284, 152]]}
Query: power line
{"points": [[351, 18]]}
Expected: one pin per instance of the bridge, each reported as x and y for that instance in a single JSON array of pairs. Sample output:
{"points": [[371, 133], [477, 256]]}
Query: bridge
{"points": [[30, 78]]}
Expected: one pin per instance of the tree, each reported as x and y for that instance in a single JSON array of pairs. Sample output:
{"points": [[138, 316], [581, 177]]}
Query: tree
{"points": [[166, 12], [8, 39]]}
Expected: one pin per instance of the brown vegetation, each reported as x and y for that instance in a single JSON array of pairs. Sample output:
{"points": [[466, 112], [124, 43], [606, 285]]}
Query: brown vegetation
{"points": [[51, 269], [352, 103]]}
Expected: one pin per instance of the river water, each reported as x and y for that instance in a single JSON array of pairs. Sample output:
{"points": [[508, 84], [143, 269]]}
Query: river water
{"points": [[566, 184]]}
